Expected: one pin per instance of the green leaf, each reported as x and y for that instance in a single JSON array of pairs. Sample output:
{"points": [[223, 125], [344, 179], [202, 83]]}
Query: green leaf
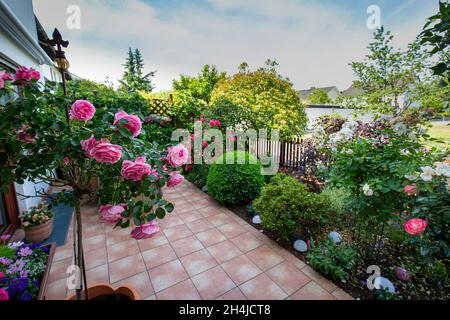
{"points": [[169, 207], [160, 213], [125, 132]]}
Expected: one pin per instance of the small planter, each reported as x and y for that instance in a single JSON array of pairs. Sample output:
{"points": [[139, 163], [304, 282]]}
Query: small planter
{"points": [[43, 285], [39, 233], [106, 292]]}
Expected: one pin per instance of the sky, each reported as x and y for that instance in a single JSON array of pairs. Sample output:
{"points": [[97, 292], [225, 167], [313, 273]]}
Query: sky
{"points": [[313, 41]]}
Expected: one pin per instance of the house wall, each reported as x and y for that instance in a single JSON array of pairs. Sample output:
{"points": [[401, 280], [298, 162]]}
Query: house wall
{"points": [[13, 54]]}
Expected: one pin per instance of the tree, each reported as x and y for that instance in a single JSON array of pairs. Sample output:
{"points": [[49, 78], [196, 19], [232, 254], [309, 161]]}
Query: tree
{"points": [[388, 73], [436, 33], [319, 96], [264, 99], [134, 78]]}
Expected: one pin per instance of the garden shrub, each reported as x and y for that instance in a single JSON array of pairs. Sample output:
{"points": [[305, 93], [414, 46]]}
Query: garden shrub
{"points": [[340, 200], [197, 174], [332, 260], [231, 184], [286, 202]]}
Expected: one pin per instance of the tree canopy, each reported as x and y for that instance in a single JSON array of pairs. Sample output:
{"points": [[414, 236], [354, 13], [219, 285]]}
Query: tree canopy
{"points": [[319, 96], [134, 78]]}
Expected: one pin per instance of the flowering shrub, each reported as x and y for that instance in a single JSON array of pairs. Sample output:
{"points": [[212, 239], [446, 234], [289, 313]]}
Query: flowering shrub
{"points": [[36, 216], [21, 272]]}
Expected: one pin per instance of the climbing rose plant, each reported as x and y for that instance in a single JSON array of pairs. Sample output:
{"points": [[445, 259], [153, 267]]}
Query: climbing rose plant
{"points": [[40, 135]]}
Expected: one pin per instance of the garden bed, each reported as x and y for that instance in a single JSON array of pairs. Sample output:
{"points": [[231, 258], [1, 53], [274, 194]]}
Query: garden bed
{"points": [[355, 285]]}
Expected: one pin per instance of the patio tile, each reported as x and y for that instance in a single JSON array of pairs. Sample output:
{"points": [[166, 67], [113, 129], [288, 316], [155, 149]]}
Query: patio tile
{"points": [[93, 230], [264, 257], [247, 242], [191, 216], [262, 288], [199, 225], [186, 246], [205, 202], [126, 267], [152, 297], [170, 221], [292, 259], [241, 269], [210, 237], [184, 290], [288, 277], [224, 251], [233, 294], [140, 282], [321, 280], [158, 240], [58, 270], [209, 211], [56, 290], [312, 291], [198, 262], [219, 219], [182, 207], [177, 232], [231, 230], [158, 256], [341, 294], [95, 258], [118, 235], [62, 253], [213, 283], [122, 249], [94, 243], [98, 275], [167, 275]]}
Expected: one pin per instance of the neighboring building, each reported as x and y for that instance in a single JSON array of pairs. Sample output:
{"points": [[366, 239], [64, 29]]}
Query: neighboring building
{"points": [[352, 91], [23, 43]]}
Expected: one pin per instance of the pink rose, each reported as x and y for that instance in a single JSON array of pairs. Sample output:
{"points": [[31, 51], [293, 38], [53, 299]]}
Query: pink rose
{"points": [[4, 295], [89, 144], [66, 160], [23, 75], [82, 110], [105, 152], [145, 231], [212, 122], [175, 179], [415, 226], [136, 170], [202, 120], [411, 189], [217, 123], [204, 144], [134, 124], [110, 213], [177, 156], [4, 77], [2, 275]]}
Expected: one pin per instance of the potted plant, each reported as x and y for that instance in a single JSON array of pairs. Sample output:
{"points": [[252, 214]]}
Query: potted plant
{"points": [[24, 269], [39, 136], [37, 223]]}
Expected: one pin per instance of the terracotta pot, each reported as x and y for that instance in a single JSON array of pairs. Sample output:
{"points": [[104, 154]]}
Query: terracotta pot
{"points": [[39, 233], [51, 253], [104, 289]]}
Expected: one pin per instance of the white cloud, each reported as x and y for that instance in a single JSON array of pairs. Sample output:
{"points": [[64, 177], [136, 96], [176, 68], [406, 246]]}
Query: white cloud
{"points": [[312, 42]]}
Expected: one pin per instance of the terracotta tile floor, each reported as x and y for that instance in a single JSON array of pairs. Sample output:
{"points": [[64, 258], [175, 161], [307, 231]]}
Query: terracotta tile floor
{"points": [[203, 252]]}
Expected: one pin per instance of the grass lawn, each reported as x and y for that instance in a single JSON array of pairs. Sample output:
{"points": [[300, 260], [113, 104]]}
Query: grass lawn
{"points": [[440, 130]]}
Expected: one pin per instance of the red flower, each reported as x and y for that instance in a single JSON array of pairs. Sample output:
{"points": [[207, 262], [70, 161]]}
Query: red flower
{"points": [[415, 226], [145, 231], [202, 119], [411, 189]]}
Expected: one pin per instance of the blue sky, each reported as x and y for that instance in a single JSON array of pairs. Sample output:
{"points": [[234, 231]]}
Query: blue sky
{"points": [[313, 41]]}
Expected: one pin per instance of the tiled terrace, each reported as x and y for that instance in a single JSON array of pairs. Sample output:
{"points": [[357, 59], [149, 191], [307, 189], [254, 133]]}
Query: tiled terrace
{"points": [[203, 252]]}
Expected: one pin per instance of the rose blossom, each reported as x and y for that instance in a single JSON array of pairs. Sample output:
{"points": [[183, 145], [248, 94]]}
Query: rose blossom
{"points": [[177, 156], [146, 230], [89, 144], [82, 110], [136, 170], [411, 189], [111, 213], [23, 75], [415, 226], [175, 179], [105, 152], [134, 124], [4, 77]]}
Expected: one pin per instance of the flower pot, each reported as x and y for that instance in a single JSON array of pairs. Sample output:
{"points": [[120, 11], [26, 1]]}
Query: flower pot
{"points": [[43, 285], [106, 292], [39, 233]]}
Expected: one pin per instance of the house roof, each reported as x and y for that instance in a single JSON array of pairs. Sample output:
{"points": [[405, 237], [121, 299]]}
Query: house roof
{"points": [[304, 94], [352, 92]]}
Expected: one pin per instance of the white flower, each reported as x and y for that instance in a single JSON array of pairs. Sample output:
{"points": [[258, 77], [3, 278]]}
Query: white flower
{"points": [[427, 173], [443, 169], [350, 125], [423, 131], [412, 136], [412, 177], [405, 152], [15, 245], [367, 190], [400, 128], [348, 151]]}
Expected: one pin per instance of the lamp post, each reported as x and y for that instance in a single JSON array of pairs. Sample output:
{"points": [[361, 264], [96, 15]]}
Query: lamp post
{"points": [[60, 60]]}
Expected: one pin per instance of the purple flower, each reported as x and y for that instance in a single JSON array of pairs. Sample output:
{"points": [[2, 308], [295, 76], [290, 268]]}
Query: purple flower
{"points": [[26, 297], [5, 237], [17, 266], [5, 261], [15, 245], [25, 252], [17, 286], [24, 273]]}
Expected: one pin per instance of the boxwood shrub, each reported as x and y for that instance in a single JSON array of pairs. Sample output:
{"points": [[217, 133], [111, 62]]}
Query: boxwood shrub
{"points": [[230, 184]]}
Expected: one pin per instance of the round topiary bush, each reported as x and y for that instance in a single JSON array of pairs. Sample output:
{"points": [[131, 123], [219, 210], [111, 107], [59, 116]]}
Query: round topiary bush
{"points": [[230, 184]]}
